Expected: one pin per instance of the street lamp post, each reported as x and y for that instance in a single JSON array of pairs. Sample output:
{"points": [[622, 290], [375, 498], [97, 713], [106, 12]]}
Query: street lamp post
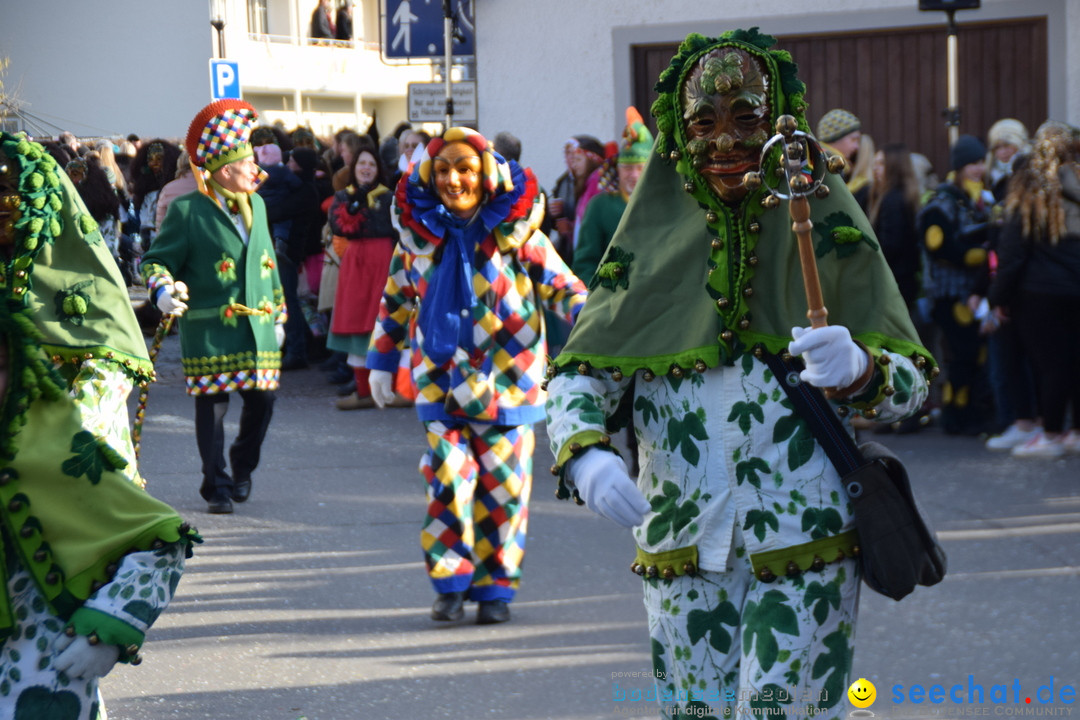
{"points": [[952, 111], [217, 20]]}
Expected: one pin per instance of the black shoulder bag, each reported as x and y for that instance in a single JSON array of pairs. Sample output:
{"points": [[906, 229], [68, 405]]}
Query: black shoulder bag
{"points": [[897, 549]]}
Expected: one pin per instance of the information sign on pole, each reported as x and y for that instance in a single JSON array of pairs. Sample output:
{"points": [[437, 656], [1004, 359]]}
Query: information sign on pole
{"points": [[427, 102]]}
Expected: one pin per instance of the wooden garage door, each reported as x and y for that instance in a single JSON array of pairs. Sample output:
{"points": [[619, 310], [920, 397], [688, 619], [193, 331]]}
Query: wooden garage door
{"points": [[895, 80]]}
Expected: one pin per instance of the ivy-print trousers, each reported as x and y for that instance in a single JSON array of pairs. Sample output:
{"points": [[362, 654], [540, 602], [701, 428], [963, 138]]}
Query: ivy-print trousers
{"points": [[478, 482], [729, 645]]}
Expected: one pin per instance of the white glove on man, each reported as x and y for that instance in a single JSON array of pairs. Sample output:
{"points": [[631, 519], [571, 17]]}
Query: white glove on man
{"points": [[382, 387], [77, 658], [832, 358], [604, 484], [279, 334], [171, 300]]}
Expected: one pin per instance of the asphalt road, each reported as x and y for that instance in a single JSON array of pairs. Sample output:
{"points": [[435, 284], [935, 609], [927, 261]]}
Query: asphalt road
{"points": [[311, 600]]}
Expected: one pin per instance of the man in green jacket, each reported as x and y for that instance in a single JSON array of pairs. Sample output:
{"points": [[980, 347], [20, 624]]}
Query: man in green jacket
{"points": [[215, 247]]}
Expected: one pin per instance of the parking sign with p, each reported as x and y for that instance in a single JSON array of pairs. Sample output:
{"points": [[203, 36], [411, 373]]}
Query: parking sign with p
{"points": [[224, 80]]}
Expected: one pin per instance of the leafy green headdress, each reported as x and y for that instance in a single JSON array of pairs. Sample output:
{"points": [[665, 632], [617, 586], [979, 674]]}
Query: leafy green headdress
{"points": [[787, 98]]}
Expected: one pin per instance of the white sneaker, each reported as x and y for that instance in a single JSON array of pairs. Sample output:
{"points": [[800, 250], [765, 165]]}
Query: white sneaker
{"points": [[1040, 447], [1012, 437]]}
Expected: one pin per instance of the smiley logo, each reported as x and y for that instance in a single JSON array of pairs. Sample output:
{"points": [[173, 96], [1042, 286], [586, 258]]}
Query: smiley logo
{"points": [[862, 693]]}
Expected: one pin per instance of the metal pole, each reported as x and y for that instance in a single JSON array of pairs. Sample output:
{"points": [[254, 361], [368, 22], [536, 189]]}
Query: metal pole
{"points": [[952, 112], [448, 55]]}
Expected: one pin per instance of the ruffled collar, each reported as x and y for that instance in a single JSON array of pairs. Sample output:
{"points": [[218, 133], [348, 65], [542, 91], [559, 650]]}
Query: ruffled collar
{"points": [[423, 213]]}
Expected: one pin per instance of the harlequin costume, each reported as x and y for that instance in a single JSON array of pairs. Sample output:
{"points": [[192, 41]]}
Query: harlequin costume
{"points": [[218, 243], [467, 297], [88, 553], [741, 500]]}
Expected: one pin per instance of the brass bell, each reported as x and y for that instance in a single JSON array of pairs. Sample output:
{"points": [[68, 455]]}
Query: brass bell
{"points": [[676, 371], [793, 568], [870, 414], [616, 375], [769, 202], [689, 568], [766, 575], [744, 324], [652, 571], [583, 369], [635, 567], [752, 180], [748, 292], [818, 564], [711, 216], [836, 164], [752, 261], [795, 152], [822, 191], [800, 184], [669, 573], [754, 227], [700, 366], [726, 336], [889, 391], [688, 186], [884, 360], [675, 155], [648, 375], [722, 303], [786, 125], [717, 244]]}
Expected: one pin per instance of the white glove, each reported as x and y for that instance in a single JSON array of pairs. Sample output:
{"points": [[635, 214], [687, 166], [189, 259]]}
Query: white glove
{"points": [[77, 658], [832, 358], [382, 387], [171, 300], [279, 334], [604, 484]]}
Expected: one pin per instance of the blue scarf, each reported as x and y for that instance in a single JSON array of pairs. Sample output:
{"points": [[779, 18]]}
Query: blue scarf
{"points": [[450, 298]]}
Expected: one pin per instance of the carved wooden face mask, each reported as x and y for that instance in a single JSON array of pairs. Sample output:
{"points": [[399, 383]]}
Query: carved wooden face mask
{"points": [[726, 116]]}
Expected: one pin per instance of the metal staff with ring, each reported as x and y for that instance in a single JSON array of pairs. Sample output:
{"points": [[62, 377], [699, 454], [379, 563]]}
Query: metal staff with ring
{"points": [[802, 169]]}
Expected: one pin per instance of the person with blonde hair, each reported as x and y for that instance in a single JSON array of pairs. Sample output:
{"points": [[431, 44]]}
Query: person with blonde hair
{"points": [[1038, 279]]}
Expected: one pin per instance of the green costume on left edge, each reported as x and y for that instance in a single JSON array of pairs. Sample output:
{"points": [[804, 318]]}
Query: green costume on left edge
{"points": [[89, 558]]}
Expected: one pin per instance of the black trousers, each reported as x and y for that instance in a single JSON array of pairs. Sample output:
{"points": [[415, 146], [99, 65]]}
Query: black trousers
{"points": [[258, 408], [1050, 327]]}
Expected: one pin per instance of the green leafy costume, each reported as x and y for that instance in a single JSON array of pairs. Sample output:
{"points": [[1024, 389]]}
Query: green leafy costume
{"points": [[690, 295], [84, 546]]}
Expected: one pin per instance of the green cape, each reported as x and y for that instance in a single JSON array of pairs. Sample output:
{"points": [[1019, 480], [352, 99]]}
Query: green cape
{"points": [[67, 514], [690, 282]]}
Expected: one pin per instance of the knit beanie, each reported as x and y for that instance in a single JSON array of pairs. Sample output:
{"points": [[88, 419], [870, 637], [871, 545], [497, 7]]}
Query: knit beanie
{"points": [[589, 145], [835, 124], [966, 150], [1008, 132], [307, 159]]}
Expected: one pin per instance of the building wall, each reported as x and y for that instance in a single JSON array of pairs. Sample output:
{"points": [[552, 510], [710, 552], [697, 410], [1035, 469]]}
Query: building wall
{"points": [[575, 73]]}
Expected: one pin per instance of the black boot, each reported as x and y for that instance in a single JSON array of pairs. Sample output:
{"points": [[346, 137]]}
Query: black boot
{"points": [[492, 612], [220, 503], [241, 489], [448, 607]]}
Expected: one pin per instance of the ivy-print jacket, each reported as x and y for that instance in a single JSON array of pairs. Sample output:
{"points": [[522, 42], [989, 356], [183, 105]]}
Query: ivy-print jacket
{"points": [[227, 337], [718, 448]]}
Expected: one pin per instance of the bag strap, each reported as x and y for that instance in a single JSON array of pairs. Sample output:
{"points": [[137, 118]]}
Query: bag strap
{"points": [[811, 405]]}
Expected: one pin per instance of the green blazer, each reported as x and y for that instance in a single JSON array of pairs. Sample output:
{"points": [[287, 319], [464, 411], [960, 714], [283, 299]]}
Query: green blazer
{"points": [[227, 335]]}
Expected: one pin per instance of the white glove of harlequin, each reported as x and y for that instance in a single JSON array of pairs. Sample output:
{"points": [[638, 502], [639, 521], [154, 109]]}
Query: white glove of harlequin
{"points": [[832, 358], [604, 484], [382, 387], [77, 658], [279, 334], [171, 299]]}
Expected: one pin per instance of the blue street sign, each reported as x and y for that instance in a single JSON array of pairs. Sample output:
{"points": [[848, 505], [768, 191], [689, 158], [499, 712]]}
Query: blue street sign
{"points": [[415, 29], [224, 79]]}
